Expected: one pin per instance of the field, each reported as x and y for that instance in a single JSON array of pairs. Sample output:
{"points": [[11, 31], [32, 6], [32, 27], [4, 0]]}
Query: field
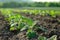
{"points": [[30, 23]]}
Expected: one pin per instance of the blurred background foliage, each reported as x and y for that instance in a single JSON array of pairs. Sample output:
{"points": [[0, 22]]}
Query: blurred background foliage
{"points": [[30, 4]]}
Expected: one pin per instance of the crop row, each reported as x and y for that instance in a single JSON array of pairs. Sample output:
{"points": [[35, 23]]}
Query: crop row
{"points": [[19, 22], [53, 13]]}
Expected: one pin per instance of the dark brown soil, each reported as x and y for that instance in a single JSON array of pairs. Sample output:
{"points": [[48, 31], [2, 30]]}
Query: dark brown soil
{"points": [[52, 24]]}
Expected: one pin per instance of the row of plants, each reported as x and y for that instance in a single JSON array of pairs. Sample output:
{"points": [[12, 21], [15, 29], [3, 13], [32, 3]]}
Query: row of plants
{"points": [[52, 13], [19, 22]]}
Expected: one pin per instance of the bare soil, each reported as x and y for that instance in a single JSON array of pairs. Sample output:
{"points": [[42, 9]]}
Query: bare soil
{"points": [[51, 23]]}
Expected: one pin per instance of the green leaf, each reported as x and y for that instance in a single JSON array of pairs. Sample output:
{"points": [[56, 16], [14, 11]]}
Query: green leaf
{"points": [[12, 28], [13, 24], [31, 34], [42, 38], [54, 37], [43, 29], [24, 28], [33, 24]]}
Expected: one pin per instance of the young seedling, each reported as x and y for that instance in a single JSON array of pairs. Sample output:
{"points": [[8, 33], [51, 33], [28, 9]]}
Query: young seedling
{"points": [[31, 34], [42, 38]]}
